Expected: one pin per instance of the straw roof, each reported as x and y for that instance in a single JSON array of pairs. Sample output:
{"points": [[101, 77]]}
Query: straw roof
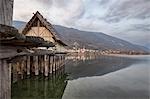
{"points": [[10, 36], [8, 31], [46, 24]]}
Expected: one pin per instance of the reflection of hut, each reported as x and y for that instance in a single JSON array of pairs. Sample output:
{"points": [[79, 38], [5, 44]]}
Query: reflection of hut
{"points": [[40, 27]]}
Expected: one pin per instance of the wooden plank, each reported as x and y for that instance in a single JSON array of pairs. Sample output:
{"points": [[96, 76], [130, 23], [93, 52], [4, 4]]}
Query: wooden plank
{"points": [[11, 51], [6, 12]]}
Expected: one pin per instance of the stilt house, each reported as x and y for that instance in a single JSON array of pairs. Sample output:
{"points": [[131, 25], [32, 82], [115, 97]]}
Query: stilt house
{"points": [[38, 26]]}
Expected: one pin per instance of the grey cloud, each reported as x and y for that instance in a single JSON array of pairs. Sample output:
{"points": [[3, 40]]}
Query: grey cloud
{"points": [[128, 9], [142, 28], [103, 2], [126, 19], [45, 2]]}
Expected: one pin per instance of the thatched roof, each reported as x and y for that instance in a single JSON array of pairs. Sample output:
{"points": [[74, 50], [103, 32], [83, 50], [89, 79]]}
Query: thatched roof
{"points": [[10, 36], [39, 42], [46, 24], [8, 31]]}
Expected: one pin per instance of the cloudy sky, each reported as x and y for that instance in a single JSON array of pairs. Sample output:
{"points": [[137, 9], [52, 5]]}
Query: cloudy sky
{"points": [[125, 19]]}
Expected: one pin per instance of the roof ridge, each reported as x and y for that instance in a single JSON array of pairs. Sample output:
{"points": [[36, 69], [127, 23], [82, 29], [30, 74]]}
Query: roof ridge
{"points": [[45, 22]]}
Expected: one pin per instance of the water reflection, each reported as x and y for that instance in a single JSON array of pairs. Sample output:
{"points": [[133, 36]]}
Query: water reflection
{"points": [[91, 77], [108, 77], [39, 88], [81, 57], [96, 66]]}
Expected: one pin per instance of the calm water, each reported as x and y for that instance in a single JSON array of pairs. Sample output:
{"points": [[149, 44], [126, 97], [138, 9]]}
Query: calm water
{"points": [[92, 77]]}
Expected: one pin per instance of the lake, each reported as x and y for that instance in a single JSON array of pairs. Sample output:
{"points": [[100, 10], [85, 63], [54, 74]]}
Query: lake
{"points": [[92, 77]]}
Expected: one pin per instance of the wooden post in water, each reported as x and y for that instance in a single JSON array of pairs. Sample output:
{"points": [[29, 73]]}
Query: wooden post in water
{"points": [[59, 62], [42, 64], [28, 65], [5, 80], [23, 63], [18, 66], [35, 62], [49, 64], [14, 72], [55, 64], [53, 67], [9, 79], [46, 65], [53, 60]]}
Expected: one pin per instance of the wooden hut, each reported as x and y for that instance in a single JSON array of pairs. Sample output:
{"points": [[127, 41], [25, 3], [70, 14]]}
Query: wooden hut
{"points": [[15, 48], [38, 26]]}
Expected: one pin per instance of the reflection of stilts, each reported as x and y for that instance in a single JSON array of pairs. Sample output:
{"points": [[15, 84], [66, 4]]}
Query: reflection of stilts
{"points": [[50, 84]]}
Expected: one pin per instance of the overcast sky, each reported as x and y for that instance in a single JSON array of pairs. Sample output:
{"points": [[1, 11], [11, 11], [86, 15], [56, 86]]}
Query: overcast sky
{"points": [[126, 19]]}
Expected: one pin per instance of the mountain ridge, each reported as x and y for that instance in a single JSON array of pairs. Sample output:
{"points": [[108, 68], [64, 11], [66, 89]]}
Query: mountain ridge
{"points": [[91, 40]]}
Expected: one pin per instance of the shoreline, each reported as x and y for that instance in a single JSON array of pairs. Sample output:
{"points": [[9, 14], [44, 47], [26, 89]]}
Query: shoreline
{"points": [[130, 56]]}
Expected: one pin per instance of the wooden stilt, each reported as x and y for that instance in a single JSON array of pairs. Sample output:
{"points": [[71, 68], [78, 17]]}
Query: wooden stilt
{"points": [[14, 72], [42, 64], [46, 65], [36, 67], [18, 67], [28, 65], [25, 65], [50, 64], [5, 81], [1, 79], [54, 64], [9, 80], [22, 66]]}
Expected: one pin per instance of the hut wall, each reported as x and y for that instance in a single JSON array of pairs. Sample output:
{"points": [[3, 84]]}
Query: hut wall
{"points": [[6, 12], [41, 32], [60, 48], [46, 35]]}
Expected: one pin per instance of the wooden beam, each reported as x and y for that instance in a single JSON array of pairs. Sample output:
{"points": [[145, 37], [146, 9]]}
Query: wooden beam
{"points": [[6, 12]]}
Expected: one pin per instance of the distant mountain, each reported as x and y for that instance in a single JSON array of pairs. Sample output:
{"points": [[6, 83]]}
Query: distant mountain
{"points": [[92, 40], [19, 25]]}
